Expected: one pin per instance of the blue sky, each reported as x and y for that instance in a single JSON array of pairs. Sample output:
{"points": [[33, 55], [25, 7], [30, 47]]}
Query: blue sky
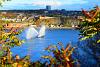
{"points": [[55, 4]]}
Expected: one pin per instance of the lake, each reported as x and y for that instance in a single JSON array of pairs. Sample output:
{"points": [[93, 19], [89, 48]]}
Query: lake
{"points": [[35, 47]]}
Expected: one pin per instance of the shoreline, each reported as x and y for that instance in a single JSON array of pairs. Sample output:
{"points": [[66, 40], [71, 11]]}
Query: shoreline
{"points": [[58, 27], [21, 25]]}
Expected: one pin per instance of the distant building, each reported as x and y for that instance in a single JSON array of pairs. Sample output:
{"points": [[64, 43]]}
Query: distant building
{"points": [[48, 7]]}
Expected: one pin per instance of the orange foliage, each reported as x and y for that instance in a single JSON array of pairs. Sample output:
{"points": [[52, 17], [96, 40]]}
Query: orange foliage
{"points": [[91, 15]]}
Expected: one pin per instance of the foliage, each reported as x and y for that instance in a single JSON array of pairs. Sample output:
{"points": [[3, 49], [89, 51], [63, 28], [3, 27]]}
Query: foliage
{"points": [[8, 39], [16, 62], [91, 24], [90, 33], [1, 1], [61, 56]]}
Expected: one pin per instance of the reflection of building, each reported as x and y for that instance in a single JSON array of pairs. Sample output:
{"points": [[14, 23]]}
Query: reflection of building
{"points": [[48, 7]]}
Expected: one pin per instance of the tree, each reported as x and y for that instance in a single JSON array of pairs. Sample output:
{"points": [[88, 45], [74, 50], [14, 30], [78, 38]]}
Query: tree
{"points": [[61, 56], [8, 39], [91, 24], [90, 32], [1, 1]]}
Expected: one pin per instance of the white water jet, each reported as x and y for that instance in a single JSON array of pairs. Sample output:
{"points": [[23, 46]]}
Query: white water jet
{"points": [[42, 31], [32, 32]]}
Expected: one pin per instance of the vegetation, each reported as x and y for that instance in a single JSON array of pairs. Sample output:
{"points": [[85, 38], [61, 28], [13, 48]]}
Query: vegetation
{"points": [[60, 57], [1, 1], [91, 24], [90, 33], [8, 39]]}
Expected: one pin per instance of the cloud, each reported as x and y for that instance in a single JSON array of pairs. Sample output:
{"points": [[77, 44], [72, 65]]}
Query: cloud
{"points": [[58, 2], [47, 2], [71, 2]]}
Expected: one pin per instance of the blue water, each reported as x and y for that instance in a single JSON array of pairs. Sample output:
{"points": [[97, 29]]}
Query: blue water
{"points": [[35, 47]]}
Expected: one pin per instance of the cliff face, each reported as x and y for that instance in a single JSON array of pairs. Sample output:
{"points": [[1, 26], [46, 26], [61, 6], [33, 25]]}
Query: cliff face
{"points": [[69, 21], [59, 21]]}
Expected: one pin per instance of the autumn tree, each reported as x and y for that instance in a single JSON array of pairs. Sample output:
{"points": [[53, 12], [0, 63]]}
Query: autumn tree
{"points": [[90, 31], [8, 39]]}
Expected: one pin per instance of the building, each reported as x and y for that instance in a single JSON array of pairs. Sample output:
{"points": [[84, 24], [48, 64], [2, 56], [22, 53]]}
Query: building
{"points": [[48, 7]]}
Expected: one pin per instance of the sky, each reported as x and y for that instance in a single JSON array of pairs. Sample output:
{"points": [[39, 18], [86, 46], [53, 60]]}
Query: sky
{"points": [[55, 4]]}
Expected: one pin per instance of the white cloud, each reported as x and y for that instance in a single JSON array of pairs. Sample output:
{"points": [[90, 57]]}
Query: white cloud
{"points": [[55, 3], [58, 2], [47, 2], [71, 2]]}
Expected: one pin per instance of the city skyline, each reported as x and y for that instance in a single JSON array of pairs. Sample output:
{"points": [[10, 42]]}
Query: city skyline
{"points": [[55, 4]]}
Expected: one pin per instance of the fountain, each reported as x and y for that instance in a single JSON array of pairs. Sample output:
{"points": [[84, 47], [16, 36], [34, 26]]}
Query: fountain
{"points": [[33, 33], [42, 31]]}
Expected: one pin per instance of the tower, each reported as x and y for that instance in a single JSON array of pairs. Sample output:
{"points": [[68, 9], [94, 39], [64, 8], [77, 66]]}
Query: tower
{"points": [[48, 7]]}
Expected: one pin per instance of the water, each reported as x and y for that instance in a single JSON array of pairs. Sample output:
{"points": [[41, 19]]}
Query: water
{"points": [[35, 47]]}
